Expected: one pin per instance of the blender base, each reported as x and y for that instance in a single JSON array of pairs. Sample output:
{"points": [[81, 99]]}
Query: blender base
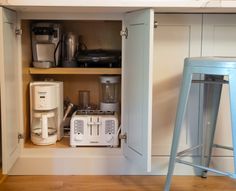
{"points": [[109, 106]]}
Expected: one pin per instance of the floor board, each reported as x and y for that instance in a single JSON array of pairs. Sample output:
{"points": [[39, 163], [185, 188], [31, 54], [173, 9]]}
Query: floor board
{"points": [[115, 183]]}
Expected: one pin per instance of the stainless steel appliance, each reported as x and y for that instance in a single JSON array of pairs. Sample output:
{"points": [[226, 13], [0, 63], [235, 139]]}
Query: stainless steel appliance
{"points": [[94, 128], [46, 112], [70, 46], [45, 44]]}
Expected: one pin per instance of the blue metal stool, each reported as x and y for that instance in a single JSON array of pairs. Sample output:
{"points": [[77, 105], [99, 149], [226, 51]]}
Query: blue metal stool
{"points": [[214, 69]]}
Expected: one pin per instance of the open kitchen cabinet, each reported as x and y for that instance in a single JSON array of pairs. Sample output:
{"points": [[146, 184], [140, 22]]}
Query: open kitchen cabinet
{"points": [[74, 79], [19, 156]]}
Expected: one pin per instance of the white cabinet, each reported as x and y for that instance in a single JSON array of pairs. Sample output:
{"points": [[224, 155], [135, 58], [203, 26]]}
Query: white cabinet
{"points": [[176, 37], [187, 35], [136, 103], [10, 89], [219, 39], [137, 81]]}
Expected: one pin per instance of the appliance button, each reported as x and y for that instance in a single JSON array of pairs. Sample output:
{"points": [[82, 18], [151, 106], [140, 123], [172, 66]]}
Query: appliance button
{"points": [[109, 137], [78, 137]]}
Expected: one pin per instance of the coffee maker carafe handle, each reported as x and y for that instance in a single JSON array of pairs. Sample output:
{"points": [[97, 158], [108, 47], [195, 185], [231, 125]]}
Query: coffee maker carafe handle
{"points": [[44, 126]]}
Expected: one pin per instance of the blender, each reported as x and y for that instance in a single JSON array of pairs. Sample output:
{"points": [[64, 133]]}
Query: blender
{"points": [[110, 86]]}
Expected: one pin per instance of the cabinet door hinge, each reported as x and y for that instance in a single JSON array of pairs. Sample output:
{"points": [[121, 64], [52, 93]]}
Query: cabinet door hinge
{"points": [[123, 136], [155, 24], [124, 33], [20, 136], [18, 31]]}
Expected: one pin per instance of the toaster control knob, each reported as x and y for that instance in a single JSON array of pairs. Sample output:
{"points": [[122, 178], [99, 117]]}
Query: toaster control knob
{"points": [[109, 137], [78, 137]]}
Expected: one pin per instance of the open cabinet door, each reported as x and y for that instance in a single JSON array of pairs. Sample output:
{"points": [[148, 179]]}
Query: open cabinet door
{"points": [[9, 81], [137, 87]]}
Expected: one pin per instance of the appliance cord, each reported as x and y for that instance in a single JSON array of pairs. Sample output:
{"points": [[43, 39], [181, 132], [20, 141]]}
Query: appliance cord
{"points": [[55, 51]]}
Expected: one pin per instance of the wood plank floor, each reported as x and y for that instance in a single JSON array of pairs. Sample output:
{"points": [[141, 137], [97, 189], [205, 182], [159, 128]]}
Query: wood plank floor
{"points": [[115, 183]]}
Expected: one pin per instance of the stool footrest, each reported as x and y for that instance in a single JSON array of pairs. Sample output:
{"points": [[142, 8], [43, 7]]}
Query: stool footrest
{"points": [[205, 168], [218, 81], [181, 153], [223, 147]]}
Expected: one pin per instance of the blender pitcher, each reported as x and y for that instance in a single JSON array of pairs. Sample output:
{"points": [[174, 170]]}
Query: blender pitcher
{"points": [[110, 93]]}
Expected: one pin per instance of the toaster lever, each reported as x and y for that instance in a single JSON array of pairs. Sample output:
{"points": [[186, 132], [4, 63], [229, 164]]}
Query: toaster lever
{"points": [[94, 123]]}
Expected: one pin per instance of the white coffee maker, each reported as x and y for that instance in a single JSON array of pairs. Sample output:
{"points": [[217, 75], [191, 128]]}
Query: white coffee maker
{"points": [[46, 109]]}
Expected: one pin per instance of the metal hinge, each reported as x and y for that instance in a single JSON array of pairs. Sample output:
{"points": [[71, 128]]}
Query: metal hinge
{"points": [[124, 33], [18, 31], [123, 136], [20, 136], [155, 24]]}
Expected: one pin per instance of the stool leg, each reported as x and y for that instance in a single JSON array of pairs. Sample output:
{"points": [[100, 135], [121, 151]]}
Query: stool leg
{"points": [[183, 99], [212, 94], [232, 89]]}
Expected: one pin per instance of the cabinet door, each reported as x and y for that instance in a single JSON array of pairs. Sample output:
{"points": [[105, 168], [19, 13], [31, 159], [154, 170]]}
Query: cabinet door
{"points": [[219, 39], [176, 37], [137, 83], [9, 89]]}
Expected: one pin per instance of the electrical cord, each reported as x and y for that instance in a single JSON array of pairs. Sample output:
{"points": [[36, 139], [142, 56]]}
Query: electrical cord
{"points": [[116, 138], [55, 51]]}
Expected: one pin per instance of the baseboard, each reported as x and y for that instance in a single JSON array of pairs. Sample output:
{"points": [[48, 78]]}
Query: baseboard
{"points": [[115, 165]]}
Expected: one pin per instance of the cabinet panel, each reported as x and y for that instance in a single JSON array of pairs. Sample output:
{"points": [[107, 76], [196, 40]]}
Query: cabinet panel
{"points": [[176, 37], [137, 87], [9, 89], [219, 39]]}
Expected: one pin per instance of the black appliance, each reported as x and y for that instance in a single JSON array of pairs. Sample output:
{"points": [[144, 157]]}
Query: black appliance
{"points": [[99, 59]]}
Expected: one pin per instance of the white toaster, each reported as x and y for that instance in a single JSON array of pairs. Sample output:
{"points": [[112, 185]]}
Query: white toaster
{"points": [[94, 128]]}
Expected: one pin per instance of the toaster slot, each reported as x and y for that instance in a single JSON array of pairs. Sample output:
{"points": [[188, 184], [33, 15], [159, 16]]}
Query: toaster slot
{"points": [[97, 126], [91, 126]]}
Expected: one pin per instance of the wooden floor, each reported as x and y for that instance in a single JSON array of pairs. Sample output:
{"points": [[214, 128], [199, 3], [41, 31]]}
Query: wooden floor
{"points": [[115, 183]]}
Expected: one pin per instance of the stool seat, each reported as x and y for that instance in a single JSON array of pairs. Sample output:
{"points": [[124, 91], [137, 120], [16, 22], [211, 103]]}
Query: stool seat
{"points": [[214, 69], [220, 62]]}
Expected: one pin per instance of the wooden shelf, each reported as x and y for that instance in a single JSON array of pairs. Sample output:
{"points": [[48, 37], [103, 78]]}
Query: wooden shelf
{"points": [[75, 71], [64, 143]]}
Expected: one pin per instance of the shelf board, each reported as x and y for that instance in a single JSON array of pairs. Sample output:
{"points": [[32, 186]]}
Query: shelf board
{"points": [[64, 143], [75, 71]]}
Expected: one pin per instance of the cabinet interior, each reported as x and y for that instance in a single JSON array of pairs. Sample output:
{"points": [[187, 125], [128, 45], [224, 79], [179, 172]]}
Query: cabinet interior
{"points": [[97, 34]]}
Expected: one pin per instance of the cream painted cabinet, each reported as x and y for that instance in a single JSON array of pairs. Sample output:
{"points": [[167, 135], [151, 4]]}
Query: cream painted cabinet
{"points": [[136, 99], [219, 39], [189, 35], [10, 90], [176, 37]]}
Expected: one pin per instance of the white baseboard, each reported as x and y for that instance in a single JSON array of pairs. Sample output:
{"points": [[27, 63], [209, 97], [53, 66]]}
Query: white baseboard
{"points": [[114, 165]]}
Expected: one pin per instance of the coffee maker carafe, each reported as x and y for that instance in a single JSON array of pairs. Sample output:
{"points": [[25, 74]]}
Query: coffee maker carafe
{"points": [[45, 44], [46, 110]]}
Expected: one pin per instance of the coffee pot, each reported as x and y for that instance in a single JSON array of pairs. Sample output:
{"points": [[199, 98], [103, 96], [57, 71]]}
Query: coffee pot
{"points": [[44, 130], [46, 109]]}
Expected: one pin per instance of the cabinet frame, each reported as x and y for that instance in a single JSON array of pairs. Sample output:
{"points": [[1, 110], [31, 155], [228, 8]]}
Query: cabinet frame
{"points": [[31, 159]]}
